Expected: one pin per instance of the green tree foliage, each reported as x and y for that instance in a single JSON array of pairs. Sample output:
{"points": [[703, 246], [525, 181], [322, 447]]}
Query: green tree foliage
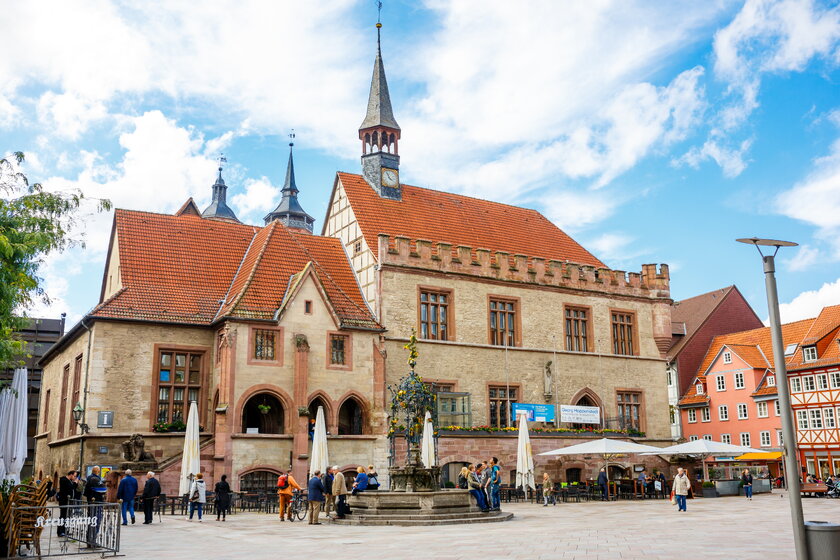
{"points": [[33, 223]]}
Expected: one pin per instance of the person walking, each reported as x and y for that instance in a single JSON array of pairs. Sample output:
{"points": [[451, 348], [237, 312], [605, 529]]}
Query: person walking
{"points": [[548, 490], [474, 483], [604, 484], [222, 492], [151, 490], [329, 498], [315, 491], [339, 490], [682, 485], [198, 496], [127, 491], [462, 478], [286, 484], [95, 494], [747, 482], [67, 487], [361, 482]]}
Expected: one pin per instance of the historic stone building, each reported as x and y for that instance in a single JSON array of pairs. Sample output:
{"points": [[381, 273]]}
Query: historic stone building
{"points": [[260, 324]]}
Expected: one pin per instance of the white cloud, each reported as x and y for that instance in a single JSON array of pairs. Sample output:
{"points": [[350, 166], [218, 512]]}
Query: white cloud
{"points": [[805, 258], [616, 249], [9, 113], [575, 210], [809, 304], [816, 199], [259, 198], [730, 160], [67, 114]]}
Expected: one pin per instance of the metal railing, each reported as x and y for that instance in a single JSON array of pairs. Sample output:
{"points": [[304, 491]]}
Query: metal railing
{"points": [[78, 528]]}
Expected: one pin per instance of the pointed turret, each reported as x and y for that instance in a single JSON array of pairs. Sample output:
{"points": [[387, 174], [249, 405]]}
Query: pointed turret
{"points": [[380, 134], [218, 209], [289, 211]]}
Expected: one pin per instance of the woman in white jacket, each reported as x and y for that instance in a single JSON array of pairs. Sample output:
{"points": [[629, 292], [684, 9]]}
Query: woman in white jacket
{"points": [[198, 496]]}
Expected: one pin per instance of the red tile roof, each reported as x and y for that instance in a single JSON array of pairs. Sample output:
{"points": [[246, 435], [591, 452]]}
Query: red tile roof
{"points": [[824, 335], [460, 220], [185, 269]]}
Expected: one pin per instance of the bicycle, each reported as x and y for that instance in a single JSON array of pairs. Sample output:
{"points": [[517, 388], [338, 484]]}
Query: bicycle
{"points": [[299, 505]]}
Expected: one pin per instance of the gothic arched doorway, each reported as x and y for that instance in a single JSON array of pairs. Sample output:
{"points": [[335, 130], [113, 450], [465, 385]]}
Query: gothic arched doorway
{"points": [[263, 414], [350, 418]]}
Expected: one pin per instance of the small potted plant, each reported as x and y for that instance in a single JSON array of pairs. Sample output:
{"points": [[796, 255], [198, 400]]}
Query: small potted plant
{"points": [[303, 411], [709, 489], [264, 408]]}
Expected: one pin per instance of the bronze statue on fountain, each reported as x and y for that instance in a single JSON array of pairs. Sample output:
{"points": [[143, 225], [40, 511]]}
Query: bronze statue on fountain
{"points": [[410, 400]]}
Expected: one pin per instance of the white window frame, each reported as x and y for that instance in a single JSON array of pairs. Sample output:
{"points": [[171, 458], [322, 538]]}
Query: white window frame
{"points": [[743, 412], [795, 384], [723, 413], [692, 438], [777, 407], [745, 439], [822, 381], [779, 437], [815, 416], [739, 379], [705, 414], [699, 388], [725, 438], [692, 415], [771, 380], [834, 379], [707, 437], [802, 422], [828, 418], [727, 357], [809, 353], [764, 438], [720, 383], [808, 383], [761, 409]]}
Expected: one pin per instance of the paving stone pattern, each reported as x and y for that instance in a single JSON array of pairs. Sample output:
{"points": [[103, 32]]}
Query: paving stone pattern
{"points": [[652, 529]]}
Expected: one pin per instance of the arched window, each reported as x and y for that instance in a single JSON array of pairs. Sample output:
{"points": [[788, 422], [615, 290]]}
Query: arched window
{"points": [[617, 473], [258, 482], [587, 400], [313, 409], [350, 418], [573, 475], [263, 414]]}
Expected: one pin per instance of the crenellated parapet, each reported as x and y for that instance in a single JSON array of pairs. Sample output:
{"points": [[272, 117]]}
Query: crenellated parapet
{"points": [[652, 282]]}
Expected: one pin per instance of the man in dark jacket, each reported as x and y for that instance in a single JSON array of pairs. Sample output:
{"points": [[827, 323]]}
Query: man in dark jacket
{"points": [[602, 482], [66, 491], [315, 490], [150, 492], [126, 492], [95, 493]]}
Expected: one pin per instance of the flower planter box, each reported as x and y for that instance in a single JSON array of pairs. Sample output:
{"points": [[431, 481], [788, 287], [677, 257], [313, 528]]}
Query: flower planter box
{"points": [[710, 493]]}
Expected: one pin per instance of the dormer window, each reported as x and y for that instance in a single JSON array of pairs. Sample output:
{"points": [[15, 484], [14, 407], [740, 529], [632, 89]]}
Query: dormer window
{"points": [[790, 349], [699, 388], [809, 353], [727, 357], [771, 380]]}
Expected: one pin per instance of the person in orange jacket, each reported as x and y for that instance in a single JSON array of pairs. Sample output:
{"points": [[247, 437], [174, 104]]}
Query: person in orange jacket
{"points": [[286, 483]]}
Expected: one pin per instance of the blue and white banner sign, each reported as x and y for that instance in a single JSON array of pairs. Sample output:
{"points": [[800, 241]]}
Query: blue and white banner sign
{"points": [[534, 412]]}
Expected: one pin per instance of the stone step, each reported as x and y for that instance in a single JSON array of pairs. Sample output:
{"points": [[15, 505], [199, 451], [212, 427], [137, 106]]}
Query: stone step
{"points": [[411, 520]]}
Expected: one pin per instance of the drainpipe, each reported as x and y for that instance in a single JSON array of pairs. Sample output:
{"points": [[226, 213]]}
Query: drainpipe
{"points": [[84, 400]]}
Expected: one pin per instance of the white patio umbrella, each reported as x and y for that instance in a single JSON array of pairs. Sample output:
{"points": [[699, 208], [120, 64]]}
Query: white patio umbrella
{"points": [[606, 448], [427, 442], [5, 408], [319, 459], [703, 449], [14, 441], [524, 459], [190, 461]]}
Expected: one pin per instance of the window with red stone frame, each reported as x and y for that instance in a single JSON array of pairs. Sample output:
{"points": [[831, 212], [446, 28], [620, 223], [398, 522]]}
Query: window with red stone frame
{"points": [[179, 382]]}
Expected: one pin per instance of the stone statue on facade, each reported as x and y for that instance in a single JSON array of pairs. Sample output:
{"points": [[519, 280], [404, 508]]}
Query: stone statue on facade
{"points": [[134, 450], [548, 380]]}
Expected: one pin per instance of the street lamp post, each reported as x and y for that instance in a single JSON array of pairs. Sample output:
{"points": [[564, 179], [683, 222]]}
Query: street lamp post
{"points": [[792, 471], [78, 416]]}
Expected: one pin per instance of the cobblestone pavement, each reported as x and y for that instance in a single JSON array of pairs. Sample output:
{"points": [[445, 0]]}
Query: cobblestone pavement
{"points": [[651, 529]]}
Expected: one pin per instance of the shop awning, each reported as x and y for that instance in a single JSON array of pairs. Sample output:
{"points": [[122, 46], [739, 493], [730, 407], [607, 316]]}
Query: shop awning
{"points": [[768, 456]]}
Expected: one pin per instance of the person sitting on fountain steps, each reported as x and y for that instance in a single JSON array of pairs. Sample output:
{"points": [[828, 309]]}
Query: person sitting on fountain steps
{"points": [[474, 483]]}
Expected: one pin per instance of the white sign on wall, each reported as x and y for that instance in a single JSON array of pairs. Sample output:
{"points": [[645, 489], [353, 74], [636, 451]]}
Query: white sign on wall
{"points": [[580, 414]]}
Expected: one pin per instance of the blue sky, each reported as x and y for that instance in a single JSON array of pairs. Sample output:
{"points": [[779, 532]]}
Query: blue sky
{"points": [[650, 131]]}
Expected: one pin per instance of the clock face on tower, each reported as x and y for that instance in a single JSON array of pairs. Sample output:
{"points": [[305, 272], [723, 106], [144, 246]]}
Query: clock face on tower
{"points": [[390, 177]]}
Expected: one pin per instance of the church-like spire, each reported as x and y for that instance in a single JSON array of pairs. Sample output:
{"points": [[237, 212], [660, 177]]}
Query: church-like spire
{"points": [[218, 209], [379, 110], [289, 211]]}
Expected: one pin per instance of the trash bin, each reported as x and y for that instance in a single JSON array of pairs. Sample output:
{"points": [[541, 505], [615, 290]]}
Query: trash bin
{"points": [[823, 540]]}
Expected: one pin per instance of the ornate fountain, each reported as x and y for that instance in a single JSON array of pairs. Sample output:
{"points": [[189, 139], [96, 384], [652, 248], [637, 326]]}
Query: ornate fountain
{"points": [[410, 400]]}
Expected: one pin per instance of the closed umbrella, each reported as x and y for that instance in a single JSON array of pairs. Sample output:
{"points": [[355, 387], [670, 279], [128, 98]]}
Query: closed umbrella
{"points": [[703, 449], [190, 461], [14, 442], [524, 459], [5, 408], [319, 459], [606, 448], [427, 443]]}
